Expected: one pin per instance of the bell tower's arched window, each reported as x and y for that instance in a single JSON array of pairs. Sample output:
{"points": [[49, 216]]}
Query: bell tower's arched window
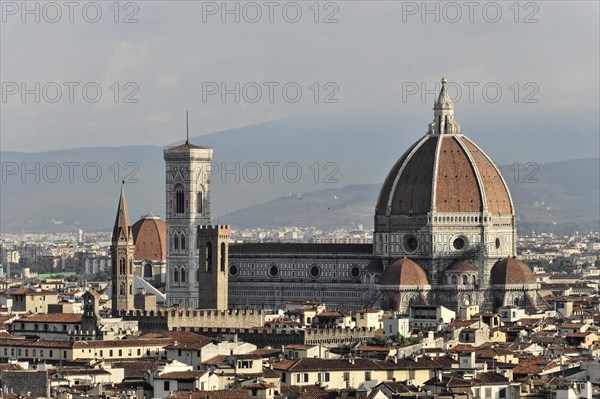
{"points": [[208, 257], [200, 202], [176, 241], [148, 270], [122, 266], [223, 257], [179, 200]]}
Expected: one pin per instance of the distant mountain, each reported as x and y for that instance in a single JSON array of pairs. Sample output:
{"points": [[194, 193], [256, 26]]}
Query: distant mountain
{"points": [[278, 159], [559, 197]]}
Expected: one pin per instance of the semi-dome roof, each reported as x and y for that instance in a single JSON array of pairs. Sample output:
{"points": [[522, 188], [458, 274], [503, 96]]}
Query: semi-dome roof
{"points": [[511, 271], [150, 238], [404, 272], [461, 266], [444, 171]]}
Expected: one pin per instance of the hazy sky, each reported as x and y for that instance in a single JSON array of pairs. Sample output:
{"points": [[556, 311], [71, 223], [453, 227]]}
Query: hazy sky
{"points": [[543, 55]]}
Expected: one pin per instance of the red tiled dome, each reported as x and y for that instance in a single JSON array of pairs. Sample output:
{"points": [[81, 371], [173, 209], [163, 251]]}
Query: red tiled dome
{"points": [[404, 272], [150, 238], [511, 271], [461, 266], [448, 172]]}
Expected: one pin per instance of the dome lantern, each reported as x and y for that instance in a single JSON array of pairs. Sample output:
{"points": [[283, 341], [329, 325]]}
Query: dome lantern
{"points": [[443, 113]]}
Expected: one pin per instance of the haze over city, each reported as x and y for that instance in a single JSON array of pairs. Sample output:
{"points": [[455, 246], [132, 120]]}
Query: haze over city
{"points": [[300, 200]]}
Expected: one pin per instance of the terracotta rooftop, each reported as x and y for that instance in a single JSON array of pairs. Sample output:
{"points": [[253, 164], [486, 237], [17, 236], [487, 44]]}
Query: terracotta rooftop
{"points": [[222, 394], [70, 318], [185, 147], [29, 291], [462, 174], [511, 271], [404, 272], [150, 239], [461, 265], [182, 375]]}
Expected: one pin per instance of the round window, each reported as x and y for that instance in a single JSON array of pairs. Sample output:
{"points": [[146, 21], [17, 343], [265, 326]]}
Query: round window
{"points": [[315, 271], [355, 272], [233, 270], [497, 243], [273, 271], [458, 243], [410, 243]]}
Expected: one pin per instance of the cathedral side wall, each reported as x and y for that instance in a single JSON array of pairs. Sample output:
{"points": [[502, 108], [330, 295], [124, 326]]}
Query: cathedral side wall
{"points": [[272, 280]]}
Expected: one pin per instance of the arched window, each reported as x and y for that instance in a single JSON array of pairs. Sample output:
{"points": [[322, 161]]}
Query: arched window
{"points": [[208, 257], [148, 270], [454, 279], [200, 202], [183, 273], [176, 241], [122, 289], [182, 241], [223, 256], [474, 280], [179, 200], [465, 280], [175, 275], [130, 289], [130, 266], [122, 265]]}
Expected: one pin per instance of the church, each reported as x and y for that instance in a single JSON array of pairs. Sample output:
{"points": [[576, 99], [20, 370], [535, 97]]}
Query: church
{"points": [[444, 234]]}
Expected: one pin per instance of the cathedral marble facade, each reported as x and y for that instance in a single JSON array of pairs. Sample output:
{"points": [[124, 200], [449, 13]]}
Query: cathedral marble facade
{"points": [[444, 234]]}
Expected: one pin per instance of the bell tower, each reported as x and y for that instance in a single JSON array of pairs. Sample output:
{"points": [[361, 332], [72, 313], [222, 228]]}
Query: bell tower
{"points": [[122, 250], [187, 192]]}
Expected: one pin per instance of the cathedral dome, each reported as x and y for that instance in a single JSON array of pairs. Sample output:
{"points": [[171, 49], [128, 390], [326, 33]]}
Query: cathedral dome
{"points": [[404, 272], [150, 238], [444, 171], [511, 271], [461, 266]]}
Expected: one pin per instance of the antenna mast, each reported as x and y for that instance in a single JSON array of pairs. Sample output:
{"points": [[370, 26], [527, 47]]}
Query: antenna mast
{"points": [[187, 128]]}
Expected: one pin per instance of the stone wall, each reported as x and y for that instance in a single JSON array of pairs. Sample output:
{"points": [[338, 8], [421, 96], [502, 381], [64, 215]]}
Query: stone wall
{"points": [[25, 382], [328, 337], [180, 319]]}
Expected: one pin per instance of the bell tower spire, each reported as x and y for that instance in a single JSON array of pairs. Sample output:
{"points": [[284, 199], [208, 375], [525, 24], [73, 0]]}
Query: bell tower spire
{"points": [[122, 251], [122, 225], [443, 113]]}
